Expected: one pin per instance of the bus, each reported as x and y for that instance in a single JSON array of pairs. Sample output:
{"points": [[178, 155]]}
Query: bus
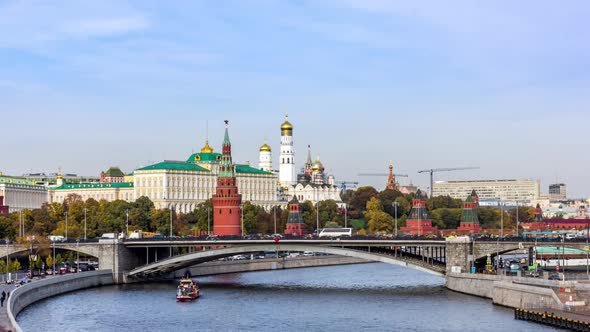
{"points": [[336, 232]]}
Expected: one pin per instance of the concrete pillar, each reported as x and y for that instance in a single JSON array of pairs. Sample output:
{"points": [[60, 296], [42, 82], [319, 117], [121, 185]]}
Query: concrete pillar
{"points": [[457, 254]]}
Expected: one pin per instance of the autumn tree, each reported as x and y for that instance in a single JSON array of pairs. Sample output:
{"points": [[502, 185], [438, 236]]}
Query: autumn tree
{"points": [[378, 220]]}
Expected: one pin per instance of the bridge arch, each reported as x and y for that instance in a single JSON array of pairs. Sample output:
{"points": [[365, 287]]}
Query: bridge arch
{"points": [[184, 261]]}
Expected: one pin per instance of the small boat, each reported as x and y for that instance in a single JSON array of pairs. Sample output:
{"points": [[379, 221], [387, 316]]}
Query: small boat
{"points": [[187, 290]]}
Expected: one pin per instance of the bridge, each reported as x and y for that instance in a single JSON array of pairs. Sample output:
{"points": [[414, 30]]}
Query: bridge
{"points": [[135, 260]]}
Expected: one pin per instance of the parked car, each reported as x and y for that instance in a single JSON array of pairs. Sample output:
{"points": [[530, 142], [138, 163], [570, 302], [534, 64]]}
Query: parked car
{"points": [[554, 276]]}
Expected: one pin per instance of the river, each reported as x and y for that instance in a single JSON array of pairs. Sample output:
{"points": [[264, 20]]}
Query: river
{"points": [[367, 297]]}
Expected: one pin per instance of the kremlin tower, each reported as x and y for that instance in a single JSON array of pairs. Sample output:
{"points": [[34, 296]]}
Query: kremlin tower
{"points": [[226, 200], [418, 222], [265, 159], [469, 221], [295, 225], [391, 185], [287, 155]]}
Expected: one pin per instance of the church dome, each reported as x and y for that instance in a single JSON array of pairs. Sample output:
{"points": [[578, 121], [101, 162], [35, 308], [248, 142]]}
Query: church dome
{"points": [[317, 166], [265, 148], [286, 127], [207, 148]]}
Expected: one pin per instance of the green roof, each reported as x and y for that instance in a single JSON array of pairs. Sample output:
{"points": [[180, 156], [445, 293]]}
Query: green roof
{"points": [[559, 250], [245, 169], [94, 185], [15, 180], [201, 157], [114, 172], [174, 166]]}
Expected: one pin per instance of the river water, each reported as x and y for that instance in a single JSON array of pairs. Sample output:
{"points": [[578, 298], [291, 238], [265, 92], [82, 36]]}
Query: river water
{"points": [[361, 297]]}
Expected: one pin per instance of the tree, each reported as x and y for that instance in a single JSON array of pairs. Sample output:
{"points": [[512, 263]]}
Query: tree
{"points": [[49, 260], [59, 260], [15, 266], [2, 266], [39, 263], [359, 200], [378, 220]]}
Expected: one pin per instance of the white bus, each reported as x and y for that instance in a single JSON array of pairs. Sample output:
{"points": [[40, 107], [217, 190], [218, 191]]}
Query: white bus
{"points": [[336, 232]]}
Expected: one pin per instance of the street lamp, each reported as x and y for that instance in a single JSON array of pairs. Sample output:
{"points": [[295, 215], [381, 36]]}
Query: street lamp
{"points": [[345, 216], [208, 222], [501, 220], [7, 241], [66, 214], [395, 205], [317, 210], [78, 255], [53, 245], [127, 223], [517, 221], [242, 213], [85, 210], [275, 218]]}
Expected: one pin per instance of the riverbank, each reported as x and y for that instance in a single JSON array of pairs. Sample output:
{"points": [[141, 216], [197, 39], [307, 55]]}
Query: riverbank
{"points": [[41, 289]]}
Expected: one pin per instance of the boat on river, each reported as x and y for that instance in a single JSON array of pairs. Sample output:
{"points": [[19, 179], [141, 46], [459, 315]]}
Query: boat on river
{"points": [[187, 290]]}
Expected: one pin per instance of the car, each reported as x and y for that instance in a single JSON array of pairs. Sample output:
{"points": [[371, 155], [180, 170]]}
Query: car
{"points": [[49, 271], [307, 253], [212, 238], [533, 274], [554, 276]]}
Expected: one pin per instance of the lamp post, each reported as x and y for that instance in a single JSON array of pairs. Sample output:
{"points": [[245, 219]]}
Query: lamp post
{"points": [[395, 205], [85, 210], [317, 217], [127, 223], [78, 255], [517, 222], [66, 214], [242, 213], [53, 245], [7, 242], [275, 218], [208, 221], [501, 220], [345, 216]]}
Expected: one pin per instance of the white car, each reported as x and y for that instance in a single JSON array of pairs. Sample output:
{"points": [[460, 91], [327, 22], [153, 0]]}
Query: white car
{"points": [[307, 253]]}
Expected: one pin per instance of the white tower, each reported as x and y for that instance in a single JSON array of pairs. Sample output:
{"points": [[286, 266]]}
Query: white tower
{"points": [[265, 159], [287, 155]]}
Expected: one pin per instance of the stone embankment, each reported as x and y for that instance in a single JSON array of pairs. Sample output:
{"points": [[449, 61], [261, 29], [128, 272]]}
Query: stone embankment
{"points": [[222, 267], [513, 292], [38, 290]]}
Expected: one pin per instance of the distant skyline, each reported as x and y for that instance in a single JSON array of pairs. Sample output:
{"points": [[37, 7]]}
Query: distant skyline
{"points": [[504, 86]]}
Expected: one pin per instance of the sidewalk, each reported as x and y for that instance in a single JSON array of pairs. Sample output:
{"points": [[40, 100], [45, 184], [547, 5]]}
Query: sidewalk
{"points": [[5, 325]]}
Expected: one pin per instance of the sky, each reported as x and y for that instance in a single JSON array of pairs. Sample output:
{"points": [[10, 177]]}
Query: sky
{"points": [[505, 85]]}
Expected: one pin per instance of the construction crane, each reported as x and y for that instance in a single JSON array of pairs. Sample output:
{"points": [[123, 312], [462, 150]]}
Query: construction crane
{"points": [[432, 170], [344, 185], [383, 174]]}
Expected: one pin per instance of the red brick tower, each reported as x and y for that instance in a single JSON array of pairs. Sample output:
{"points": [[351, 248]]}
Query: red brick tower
{"points": [[226, 200], [391, 185], [538, 213], [418, 222], [295, 225], [469, 221]]}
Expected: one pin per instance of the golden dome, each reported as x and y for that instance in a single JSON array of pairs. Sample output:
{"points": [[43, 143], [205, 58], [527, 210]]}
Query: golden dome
{"points": [[286, 127], [207, 148], [317, 166], [265, 148]]}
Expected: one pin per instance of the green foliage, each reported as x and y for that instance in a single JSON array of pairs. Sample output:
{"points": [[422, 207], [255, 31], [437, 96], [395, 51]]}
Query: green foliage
{"points": [[358, 224], [2, 266], [14, 266], [49, 261], [59, 260], [359, 199], [378, 220], [39, 263]]}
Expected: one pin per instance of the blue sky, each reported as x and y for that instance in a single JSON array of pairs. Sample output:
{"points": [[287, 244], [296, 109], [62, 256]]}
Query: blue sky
{"points": [[503, 85]]}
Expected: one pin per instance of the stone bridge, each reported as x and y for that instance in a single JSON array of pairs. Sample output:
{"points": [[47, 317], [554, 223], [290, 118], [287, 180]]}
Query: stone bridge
{"points": [[150, 258]]}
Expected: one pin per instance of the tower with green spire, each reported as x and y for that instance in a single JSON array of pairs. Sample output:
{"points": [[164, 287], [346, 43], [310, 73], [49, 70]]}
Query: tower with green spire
{"points": [[226, 200], [469, 221]]}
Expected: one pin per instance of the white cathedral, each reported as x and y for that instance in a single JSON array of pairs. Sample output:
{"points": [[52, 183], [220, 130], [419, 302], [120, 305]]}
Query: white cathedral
{"points": [[312, 184]]}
